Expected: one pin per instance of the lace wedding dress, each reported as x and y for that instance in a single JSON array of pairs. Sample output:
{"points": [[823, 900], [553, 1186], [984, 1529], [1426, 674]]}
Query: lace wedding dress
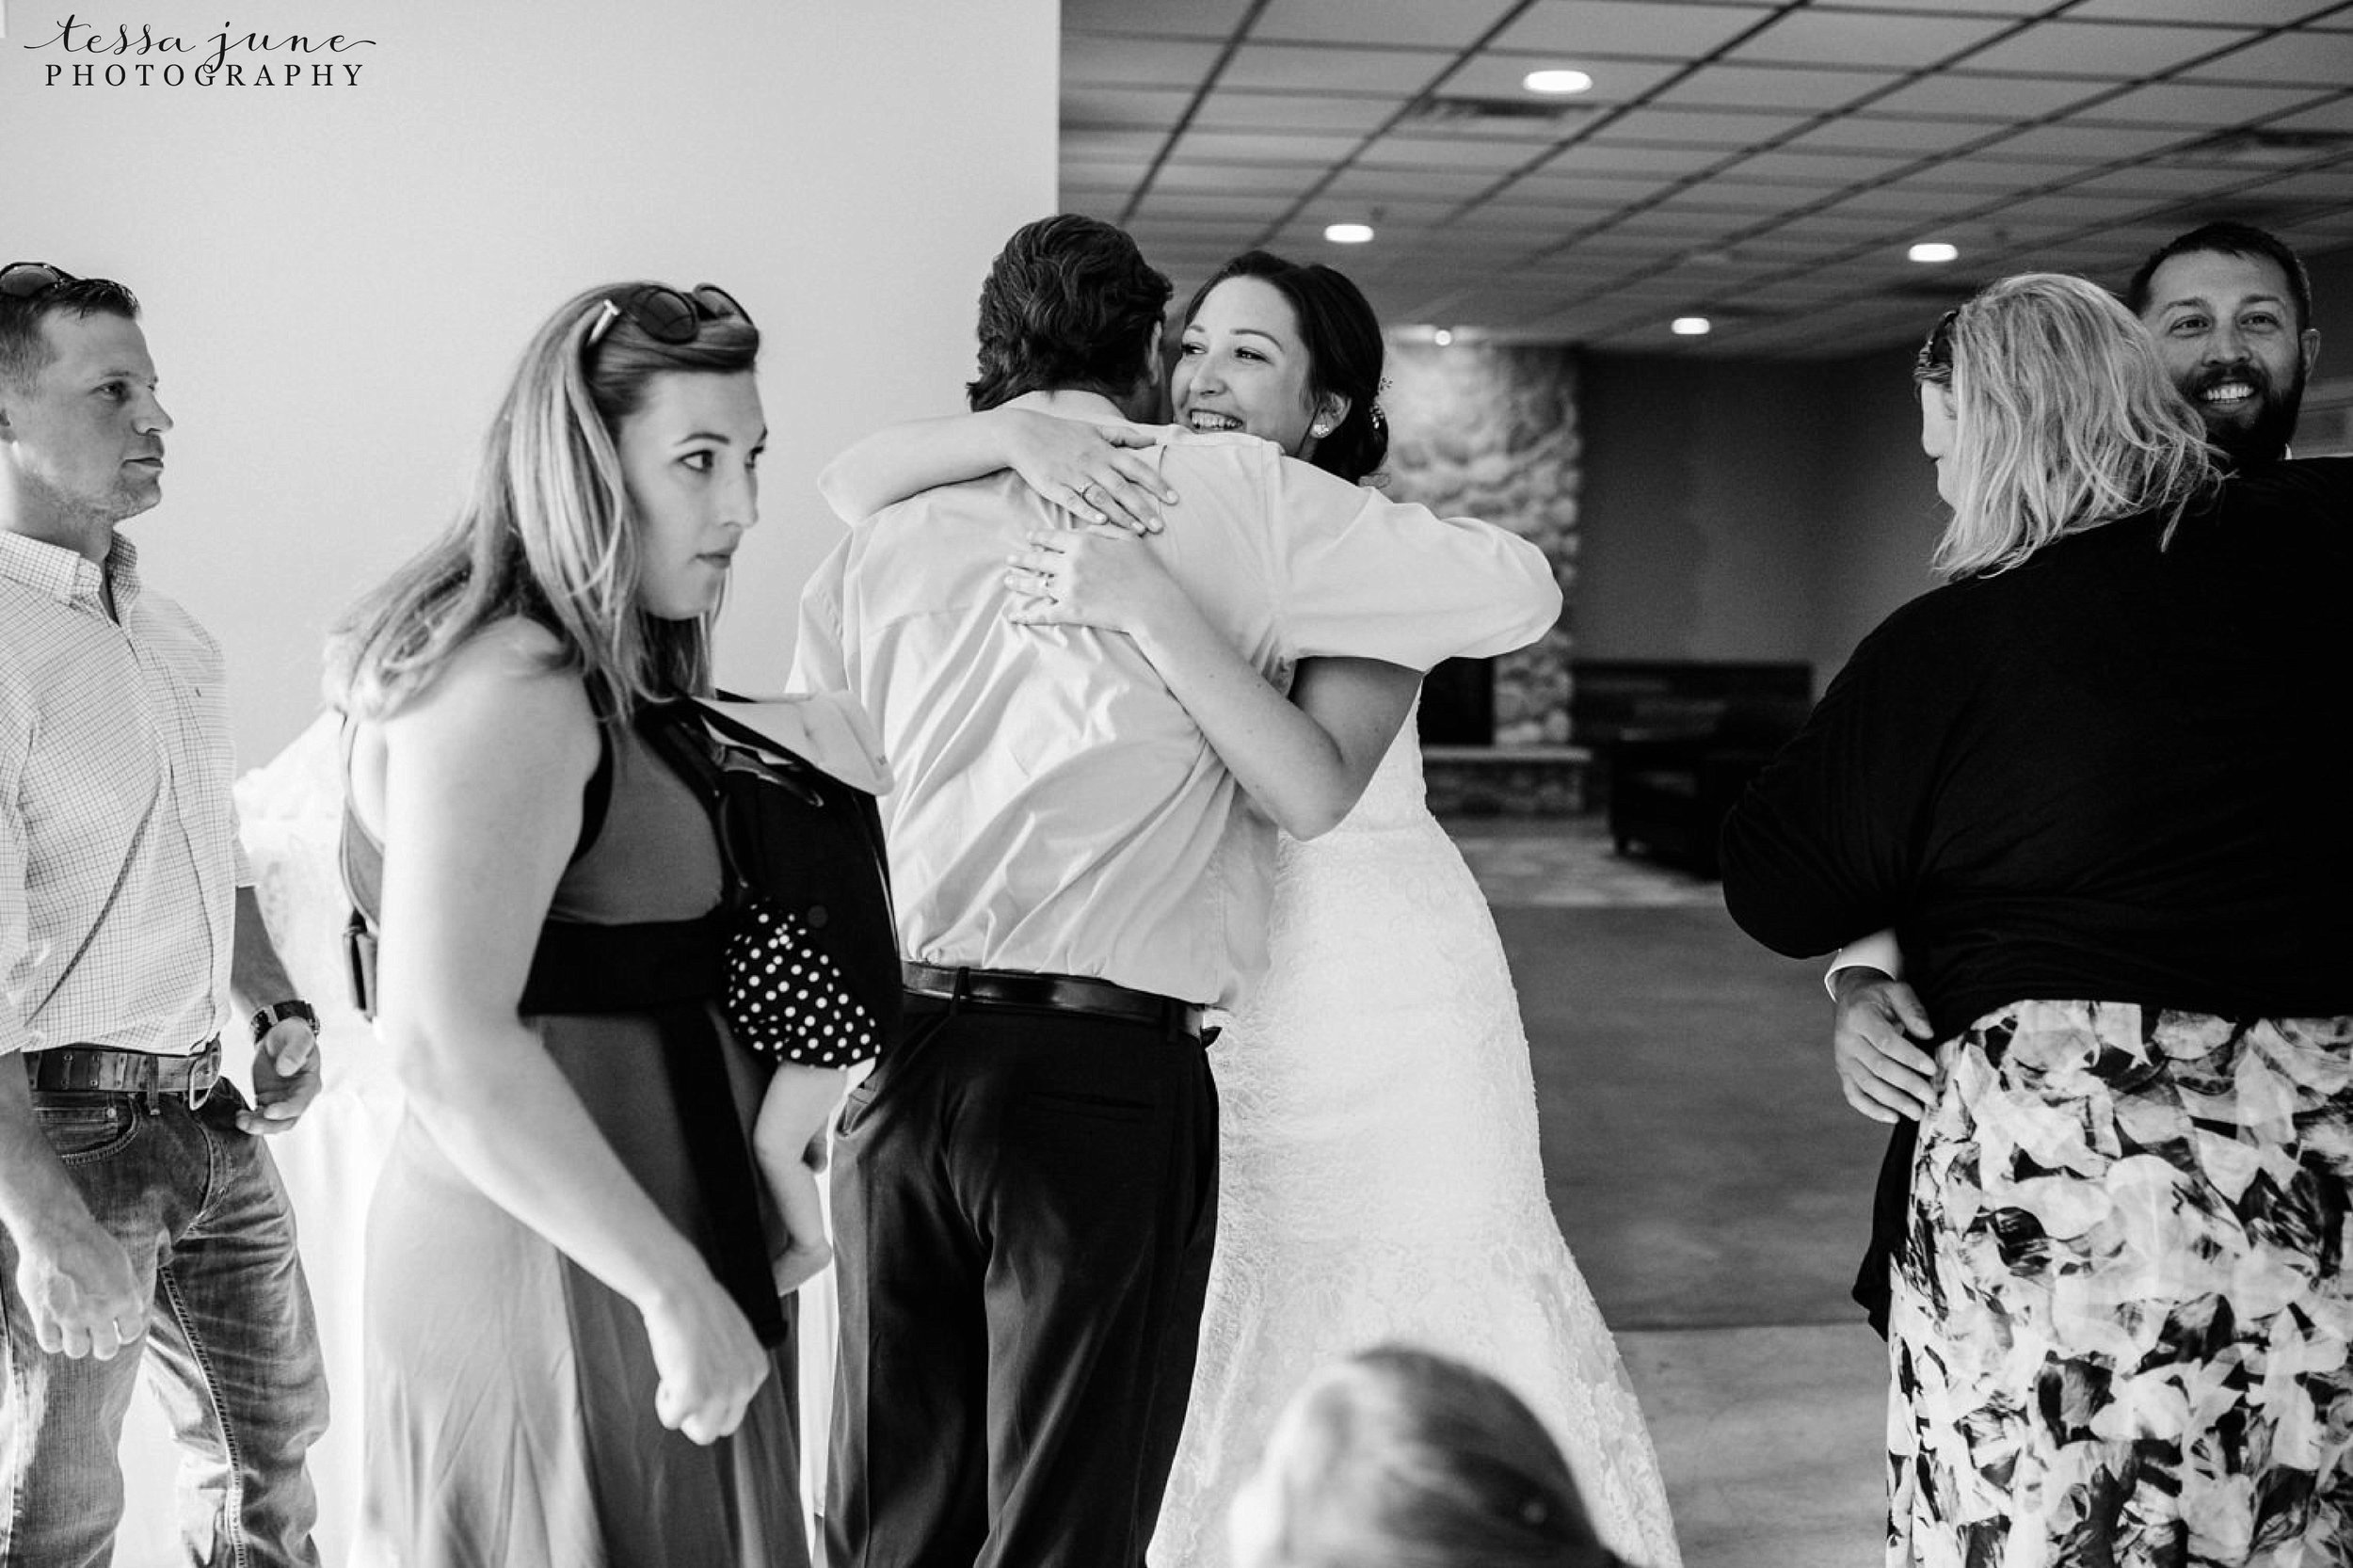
{"points": [[1379, 1178]]}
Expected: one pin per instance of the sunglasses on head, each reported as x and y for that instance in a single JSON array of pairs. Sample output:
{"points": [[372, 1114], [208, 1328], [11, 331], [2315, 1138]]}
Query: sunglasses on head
{"points": [[31, 280], [1935, 359], [664, 315]]}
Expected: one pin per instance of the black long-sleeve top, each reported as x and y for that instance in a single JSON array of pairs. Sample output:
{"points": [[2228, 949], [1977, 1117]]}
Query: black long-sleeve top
{"points": [[2115, 773]]}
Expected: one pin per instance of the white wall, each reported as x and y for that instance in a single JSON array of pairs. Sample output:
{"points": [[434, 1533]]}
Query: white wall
{"points": [[337, 280]]}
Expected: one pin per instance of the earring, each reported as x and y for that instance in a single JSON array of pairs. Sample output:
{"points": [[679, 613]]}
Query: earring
{"points": [[1319, 430]]}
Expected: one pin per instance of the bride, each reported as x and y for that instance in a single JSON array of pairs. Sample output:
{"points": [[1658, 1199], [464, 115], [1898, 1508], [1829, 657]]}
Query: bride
{"points": [[1379, 1174]]}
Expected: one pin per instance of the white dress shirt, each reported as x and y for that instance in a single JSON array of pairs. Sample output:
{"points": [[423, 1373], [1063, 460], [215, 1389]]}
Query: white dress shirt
{"points": [[118, 855], [1057, 811]]}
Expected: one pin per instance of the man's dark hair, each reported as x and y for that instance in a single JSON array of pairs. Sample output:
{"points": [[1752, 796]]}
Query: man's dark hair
{"points": [[1343, 336], [25, 349], [2228, 239], [1070, 304]]}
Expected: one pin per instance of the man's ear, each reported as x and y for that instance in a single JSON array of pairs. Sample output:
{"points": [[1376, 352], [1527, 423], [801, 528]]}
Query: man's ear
{"points": [[2310, 339]]}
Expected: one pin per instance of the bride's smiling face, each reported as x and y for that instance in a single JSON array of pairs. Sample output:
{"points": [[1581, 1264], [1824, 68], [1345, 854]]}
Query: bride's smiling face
{"points": [[1242, 366]]}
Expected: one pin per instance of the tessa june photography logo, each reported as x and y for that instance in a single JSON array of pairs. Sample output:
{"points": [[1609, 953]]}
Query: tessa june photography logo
{"points": [[91, 54]]}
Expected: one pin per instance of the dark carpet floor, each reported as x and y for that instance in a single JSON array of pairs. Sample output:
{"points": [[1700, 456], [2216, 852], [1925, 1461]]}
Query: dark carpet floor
{"points": [[1702, 1163]]}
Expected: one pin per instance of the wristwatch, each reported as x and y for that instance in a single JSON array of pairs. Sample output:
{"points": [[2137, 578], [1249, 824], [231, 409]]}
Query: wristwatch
{"points": [[279, 1012]]}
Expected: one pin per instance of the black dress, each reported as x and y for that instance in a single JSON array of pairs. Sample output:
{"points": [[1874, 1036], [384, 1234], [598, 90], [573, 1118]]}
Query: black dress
{"points": [[509, 1407]]}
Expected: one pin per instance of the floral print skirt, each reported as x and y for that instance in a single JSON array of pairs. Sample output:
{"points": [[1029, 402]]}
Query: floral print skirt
{"points": [[2122, 1309]]}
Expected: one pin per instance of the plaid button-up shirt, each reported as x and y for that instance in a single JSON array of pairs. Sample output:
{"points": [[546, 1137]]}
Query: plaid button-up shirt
{"points": [[118, 855]]}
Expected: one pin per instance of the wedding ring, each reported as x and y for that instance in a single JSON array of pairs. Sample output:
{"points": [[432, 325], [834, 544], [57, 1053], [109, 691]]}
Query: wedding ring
{"points": [[1083, 488]]}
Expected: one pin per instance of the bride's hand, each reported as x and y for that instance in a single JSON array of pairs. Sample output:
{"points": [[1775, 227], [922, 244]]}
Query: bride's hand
{"points": [[1102, 577], [1090, 468]]}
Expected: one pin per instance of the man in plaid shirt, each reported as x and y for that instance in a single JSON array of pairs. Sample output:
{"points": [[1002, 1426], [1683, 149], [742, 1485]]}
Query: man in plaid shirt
{"points": [[140, 1218]]}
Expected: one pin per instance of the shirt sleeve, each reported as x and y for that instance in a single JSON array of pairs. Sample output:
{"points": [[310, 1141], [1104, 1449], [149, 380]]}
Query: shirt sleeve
{"points": [[1822, 847], [1879, 951], [818, 662], [1367, 577]]}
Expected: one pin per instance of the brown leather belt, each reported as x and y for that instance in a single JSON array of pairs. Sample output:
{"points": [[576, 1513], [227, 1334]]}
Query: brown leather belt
{"points": [[1059, 993], [104, 1070]]}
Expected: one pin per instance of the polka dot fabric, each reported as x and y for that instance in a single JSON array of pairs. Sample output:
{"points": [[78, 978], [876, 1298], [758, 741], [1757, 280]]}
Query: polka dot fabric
{"points": [[785, 999]]}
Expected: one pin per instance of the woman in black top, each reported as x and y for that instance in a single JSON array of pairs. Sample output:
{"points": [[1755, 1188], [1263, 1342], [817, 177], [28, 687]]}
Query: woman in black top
{"points": [[2085, 782]]}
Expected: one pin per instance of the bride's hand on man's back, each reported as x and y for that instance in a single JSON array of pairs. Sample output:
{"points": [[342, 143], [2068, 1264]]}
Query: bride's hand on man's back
{"points": [[1093, 469]]}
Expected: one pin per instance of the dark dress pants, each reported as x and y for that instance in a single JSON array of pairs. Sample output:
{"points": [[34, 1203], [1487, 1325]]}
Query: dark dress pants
{"points": [[1024, 1205]]}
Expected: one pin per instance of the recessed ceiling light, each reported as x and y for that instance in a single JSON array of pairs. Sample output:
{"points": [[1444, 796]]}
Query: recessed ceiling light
{"points": [[1934, 250], [1348, 233], [1557, 81], [1691, 326], [1442, 337]]}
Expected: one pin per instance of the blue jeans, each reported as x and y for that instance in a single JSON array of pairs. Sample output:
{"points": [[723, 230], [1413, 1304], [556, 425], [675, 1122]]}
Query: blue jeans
{"points": [[230, 1340]]}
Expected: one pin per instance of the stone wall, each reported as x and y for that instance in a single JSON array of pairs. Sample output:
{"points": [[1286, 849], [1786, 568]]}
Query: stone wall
{"points": [[1490, 430]]}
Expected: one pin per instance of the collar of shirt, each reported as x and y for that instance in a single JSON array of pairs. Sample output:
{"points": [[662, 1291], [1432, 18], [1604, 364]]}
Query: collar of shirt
{"points": [[68, 575]]}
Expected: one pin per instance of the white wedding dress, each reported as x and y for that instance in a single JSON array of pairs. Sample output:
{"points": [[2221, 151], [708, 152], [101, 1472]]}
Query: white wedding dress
{"points": [[1379, 1178]]}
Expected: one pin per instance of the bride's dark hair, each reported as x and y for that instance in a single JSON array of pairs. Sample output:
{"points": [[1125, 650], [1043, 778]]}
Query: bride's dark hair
{"points": [[1343, 336]]}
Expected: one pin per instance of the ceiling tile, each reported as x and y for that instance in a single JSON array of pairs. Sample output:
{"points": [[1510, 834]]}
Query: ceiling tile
{"points": [[2252, 13], [1115, 108], [1971, 8], [1456, 24], [1820, 170], [1096, 60], [1490, 74], [2073, 141], [1731, 196], [2286, 60], [1400, 150], [1875, 131], [1569, 27], [1607, 157], [1172, 18], [1103, 142], [2334, 115], [1290, 67], [1957, 95], [1208, 145], [1901, 200], [2110, 50], [1228, 109], [1239, 206], [1862, 38], [2075, 207], [2184, 103], [1717, 128], [1684, 226], [1093, 202], [1453, 187], [1989, 172], [1257, 179], [2150, 180], [1763, 87], [1098, 177]]}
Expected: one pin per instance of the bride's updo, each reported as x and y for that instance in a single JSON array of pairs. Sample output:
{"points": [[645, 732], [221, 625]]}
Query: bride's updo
{"points": [[1397, 1458]]}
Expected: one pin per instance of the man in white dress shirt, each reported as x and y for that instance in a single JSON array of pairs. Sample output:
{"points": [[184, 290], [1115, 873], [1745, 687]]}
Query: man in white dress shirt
{"points": [[1025, 1191], [140, 1218]]}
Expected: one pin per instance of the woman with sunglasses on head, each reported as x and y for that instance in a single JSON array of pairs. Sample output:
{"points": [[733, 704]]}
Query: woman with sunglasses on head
{"points": [[2087, 783], [1379, 1174], [574, 1345]]}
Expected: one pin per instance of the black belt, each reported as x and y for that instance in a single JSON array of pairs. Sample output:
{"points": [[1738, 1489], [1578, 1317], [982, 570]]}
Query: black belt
{"points": [[1059, 993], [104, 1070]]}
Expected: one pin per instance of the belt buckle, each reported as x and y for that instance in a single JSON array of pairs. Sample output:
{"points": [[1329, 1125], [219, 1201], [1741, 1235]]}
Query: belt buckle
{"points": [[203, 1075]]}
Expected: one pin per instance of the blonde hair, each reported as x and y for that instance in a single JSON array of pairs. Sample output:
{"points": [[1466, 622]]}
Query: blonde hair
{"points": [[548, 533], [2064, 419], [1397, 1458]]}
